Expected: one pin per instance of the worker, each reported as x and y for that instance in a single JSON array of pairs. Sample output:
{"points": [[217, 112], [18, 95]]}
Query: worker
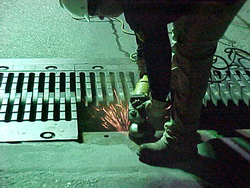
{"points": [[197, 27]]}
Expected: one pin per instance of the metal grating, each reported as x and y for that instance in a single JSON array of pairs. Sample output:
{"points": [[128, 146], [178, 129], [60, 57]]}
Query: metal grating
{"points": [[46, 97], [48, 102], [51, 98], [100, 89], [233, 90], [39, 102], [226, 103], [37, 96], [103, 88]]}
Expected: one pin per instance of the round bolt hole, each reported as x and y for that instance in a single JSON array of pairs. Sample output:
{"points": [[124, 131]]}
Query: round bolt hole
{"points": [[98, 67], [106, 136], [4, 68], [47, 135], [51, 68]]}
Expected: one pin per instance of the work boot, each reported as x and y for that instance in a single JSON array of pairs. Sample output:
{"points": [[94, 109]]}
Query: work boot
{"points": [[171, 147]]}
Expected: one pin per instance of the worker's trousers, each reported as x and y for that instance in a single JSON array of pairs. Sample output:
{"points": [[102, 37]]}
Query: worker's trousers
{"points": [[196, 35]]}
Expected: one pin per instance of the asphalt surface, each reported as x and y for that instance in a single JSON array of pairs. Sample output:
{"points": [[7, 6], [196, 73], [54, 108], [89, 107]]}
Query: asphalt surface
{"points": [[41, 29]]}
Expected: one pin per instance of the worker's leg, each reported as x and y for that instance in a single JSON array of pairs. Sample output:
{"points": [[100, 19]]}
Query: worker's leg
{"points": [[195, 47]]}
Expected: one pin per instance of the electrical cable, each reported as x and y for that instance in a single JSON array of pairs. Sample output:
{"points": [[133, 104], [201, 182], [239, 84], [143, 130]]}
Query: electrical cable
{"points": [[122, 27], [133, 56], [216, 57], [232, 52]]}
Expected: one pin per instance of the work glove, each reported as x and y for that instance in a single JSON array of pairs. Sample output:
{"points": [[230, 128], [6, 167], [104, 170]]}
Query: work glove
{"points": [[155, 111], [153, 108]]}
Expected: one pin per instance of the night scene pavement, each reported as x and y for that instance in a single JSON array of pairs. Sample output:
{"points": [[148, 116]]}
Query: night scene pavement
{"points": [[41, 30]]}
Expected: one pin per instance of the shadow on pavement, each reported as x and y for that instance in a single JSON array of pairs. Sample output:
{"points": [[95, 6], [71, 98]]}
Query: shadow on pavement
{"points": [[229, 169]]}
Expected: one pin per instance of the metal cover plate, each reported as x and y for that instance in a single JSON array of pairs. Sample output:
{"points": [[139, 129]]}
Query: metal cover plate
{"points": [[39, 97], [42, 131]]}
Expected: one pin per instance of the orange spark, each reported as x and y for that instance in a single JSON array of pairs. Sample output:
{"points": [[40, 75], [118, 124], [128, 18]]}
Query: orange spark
{"points": [[115, 115]]}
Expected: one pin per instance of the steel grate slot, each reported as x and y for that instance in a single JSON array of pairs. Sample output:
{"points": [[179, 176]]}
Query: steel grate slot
{"points": [[31, 80], [132, 78], [93, 88], [125, 87], [62, 82], [33, 107], [19, 85], [56, 109], [104, 88], [83, 95], [52, 82], [1, 79], [68, 106], [9, 108], [72, 82], [45, 106], [41, 82], [21, 108], [9, 83], [115, 87]]}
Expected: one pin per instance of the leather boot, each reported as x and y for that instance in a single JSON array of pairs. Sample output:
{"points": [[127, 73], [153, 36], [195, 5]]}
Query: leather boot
{"points": [[171, 146]]}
